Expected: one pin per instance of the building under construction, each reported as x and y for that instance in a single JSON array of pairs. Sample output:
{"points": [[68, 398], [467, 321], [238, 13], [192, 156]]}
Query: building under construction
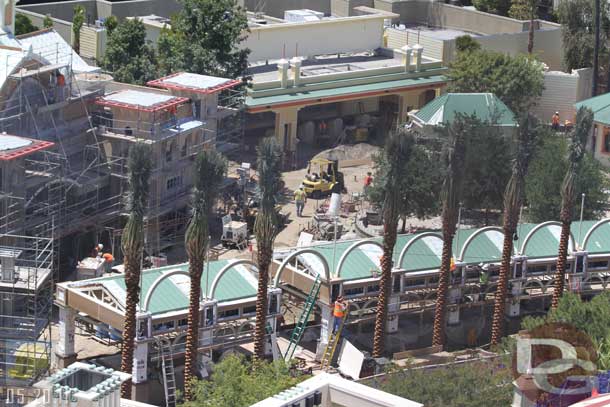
{"points": [[66, 130]]}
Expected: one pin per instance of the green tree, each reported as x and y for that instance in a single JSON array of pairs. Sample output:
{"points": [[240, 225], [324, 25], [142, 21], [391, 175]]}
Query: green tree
{"points": [[78, 19], [236, 382], [500, 7], [578, 136], [47, 22], [23, 25], [132, 244], [518, 81], [577, 19], [210, 170], [513, 200], [546, 174], [128, 56], [465, 43], [268, 163], [111, 24], [204, 38], [477, 384], [419, 184], [397, 152], [454, 158]]}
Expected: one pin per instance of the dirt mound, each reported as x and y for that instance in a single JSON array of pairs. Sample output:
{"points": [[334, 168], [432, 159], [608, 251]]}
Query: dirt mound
{"points": [[349, 152]]}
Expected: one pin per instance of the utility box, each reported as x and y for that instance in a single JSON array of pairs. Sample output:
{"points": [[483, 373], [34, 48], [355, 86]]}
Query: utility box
{"points": [[298, 16], [234, 233], [90, 267]]}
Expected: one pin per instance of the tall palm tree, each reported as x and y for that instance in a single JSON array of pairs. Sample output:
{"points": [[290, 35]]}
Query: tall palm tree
{"points": [[513, 199], [584, 121], [533, 11], [269, 166], [210, 170], [132, 243], [397, 154], [455, 156]]}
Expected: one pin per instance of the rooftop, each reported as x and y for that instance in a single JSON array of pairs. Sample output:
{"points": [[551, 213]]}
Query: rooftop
{"points": [[140, 100], [438, 33], [12, 147], [600, 105], [485, 106], [194, 82]]}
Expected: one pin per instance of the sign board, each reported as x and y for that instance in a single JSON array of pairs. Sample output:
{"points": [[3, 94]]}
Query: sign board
{"points": [[350, 360], [305, 239], [245, 166]]}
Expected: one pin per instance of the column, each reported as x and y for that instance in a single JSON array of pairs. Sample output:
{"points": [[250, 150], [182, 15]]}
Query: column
{"points": [[65, 345], [391, 325], [453, 314], [325, 327], [513, 304], [286, 123], [406, 101], [140, 386]]}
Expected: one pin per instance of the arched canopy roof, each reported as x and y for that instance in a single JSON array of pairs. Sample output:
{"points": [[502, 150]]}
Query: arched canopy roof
{"points": [[542, 240], [172, 293], [596, 238], [421, 251], [473, 246]]}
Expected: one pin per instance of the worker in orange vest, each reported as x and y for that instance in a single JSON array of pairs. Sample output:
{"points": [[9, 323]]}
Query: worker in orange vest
{"points": [[555, 121], [108, 260], [339, 312]]}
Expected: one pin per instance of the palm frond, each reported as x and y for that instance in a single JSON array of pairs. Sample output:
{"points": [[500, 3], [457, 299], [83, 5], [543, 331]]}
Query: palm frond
{"points": [[139, 169], [269, 163]]}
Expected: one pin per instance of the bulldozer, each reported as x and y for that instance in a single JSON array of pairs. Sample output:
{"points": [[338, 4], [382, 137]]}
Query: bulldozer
{"points": [[323, 178]]}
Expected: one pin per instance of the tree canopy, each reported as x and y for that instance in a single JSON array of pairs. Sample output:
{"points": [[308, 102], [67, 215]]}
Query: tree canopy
{"points": [[47, 22], [204, 39], [518, 81], [545, 177], [577, 19], [500, 7], [237, 382], [128, 56], [465, 43], [23, 25]]}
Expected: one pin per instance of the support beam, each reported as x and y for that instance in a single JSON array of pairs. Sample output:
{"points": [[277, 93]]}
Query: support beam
{"points": [[286, 123], [65, 345], [325, 326]]}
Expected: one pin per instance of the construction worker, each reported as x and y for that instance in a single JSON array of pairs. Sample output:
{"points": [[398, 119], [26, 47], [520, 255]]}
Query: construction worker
{"points": [[61, 83], [108, 260], [300, 198], [339, 313], [368, 181], [483, 280], [555, 121]]}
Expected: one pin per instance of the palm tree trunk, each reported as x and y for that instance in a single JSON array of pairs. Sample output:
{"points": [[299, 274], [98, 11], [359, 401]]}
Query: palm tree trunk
{"points": [[510, 226], [132, 288], [530, 39], [192, 333], [265, 254], [560, 274], [438, 333], [389, 240]]}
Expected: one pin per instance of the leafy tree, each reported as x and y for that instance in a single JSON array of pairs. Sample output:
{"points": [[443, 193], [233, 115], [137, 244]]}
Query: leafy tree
{"points": [[543, 182], [577, 19], [397, 155], [132, 244], [128, 56], [268, 163], [465, 43], [23, 25], [78, 19], [210, 170], [454, 158], [518, 81], [579, 135], [477, 384], [419, 184], [111, 24], [236, 382], [204, 38], [47, 22], [500, 7], [513, 200]]}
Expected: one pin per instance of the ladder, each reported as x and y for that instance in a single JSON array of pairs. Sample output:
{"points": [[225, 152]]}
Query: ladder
{"points": [[299, 329], [331, 346], [167, 370]]}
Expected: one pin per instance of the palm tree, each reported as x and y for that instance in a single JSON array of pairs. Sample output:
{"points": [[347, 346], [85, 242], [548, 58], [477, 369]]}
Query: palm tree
{"points": [[533, 10], [269, 164], [513, 199], [584, 121], [210, 170], [397, 153], [132, 242], [454, 157]]}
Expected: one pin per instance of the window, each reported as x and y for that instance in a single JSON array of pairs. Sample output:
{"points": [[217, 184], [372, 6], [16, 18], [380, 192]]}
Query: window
{"points": [[396, 284], [173, 182], [415, 282], [597, 265], [230, 313], [372, 289], [606, 146], [537, 269], [580, 262], [348, 292], [183, 322], [185, 147], [169, 152], [249, 310]]}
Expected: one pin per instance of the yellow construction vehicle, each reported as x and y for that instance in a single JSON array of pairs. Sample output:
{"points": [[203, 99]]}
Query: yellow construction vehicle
{"points": [[323, 177]]}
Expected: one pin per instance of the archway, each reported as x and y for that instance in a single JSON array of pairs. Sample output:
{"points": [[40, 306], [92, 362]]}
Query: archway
{"points": [[351, 249], [294, 255]]}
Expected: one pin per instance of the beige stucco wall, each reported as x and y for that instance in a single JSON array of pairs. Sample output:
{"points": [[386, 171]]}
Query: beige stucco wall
{"points": [[561, 91], [397, 39], [322, 37]]}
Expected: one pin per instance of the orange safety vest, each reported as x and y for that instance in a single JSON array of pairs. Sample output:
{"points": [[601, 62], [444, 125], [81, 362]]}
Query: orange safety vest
{"points": [[339, 311], [555, 119]]}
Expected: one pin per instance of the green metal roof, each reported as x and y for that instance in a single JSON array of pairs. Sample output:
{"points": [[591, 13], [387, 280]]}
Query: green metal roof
{"points": [[172, 293], [339, 90], [485, 106], [600, 105], [599, 240]]}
